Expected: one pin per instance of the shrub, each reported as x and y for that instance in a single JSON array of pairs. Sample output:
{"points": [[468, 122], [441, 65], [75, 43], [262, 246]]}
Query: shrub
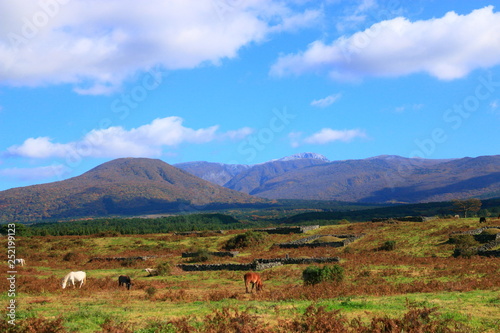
{"points": [[248, 239], [201, 255], [465, 252], [73, 256], [164, 268], [490, 231], [463, 240], [465, 245], [388, 246], [150, 291], [313, 275]]}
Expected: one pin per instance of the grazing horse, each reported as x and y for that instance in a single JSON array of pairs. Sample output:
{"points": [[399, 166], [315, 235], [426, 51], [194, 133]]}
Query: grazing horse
{"points": [[20, 262], [74, 277], [124, 280], [255, 280]]}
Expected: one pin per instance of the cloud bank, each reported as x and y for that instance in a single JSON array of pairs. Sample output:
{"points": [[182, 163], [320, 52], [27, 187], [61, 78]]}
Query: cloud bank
{"points": [[96, 45], [144, 141], [446, 48]]}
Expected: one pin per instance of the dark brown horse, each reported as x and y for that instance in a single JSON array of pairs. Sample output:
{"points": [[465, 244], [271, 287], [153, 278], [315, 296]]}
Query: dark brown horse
{"points": [[255, 280], [124, 280]]}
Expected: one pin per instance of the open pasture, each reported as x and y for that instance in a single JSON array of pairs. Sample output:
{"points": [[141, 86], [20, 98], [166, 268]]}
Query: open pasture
{"points": [[419, 273]]}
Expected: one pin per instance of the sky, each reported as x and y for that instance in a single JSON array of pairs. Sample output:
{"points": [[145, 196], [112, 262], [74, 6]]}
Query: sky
{"points": [[83, 82]]}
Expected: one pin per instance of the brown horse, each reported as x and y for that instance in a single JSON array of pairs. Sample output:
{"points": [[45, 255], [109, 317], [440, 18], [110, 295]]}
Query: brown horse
{"points": [[255, 280]]}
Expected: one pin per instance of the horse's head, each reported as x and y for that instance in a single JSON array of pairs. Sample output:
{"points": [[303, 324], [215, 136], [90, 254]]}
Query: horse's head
{"points": [[260, 285]]}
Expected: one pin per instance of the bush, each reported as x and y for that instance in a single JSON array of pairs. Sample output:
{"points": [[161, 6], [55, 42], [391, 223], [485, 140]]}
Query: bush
{"points": [[490, 231], [463, 240], [150, 291], [388, 246], [201, 255], [164, 268], [248, 239], [313, 275], [465, 245]]}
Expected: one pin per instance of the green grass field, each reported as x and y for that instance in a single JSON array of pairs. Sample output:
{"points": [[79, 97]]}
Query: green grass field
{"points": [[420, 273]]}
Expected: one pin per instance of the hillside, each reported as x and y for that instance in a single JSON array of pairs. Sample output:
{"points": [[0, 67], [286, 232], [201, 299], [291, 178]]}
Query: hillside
{"points": [[217, 173], [417, 273], [122, 186], [260, 174]]}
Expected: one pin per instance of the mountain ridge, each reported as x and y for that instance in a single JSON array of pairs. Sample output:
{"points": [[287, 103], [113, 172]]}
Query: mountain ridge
{"points": [[121, 186], [380, 179], [129, 186]]}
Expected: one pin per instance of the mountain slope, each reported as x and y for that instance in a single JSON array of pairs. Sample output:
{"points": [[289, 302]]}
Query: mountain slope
{"points": [[122, 186], [385, 179], [217, 173], [244, 178], [259, 174]]}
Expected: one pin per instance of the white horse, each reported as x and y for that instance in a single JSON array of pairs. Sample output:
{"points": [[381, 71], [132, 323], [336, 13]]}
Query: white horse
{"points": [[74, 277], [20, 262]]}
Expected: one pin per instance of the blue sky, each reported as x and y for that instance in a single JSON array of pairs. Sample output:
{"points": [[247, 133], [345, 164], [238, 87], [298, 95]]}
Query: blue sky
{"points": [[243, 81]]}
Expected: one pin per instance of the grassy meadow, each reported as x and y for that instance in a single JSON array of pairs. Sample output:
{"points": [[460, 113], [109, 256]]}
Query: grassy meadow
{"points": [[417, 281]]}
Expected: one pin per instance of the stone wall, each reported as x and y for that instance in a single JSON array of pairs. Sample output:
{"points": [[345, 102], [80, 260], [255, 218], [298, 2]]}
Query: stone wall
{"points": [[306, 242], [121, 258], [256, 265], [231, 254], [491, 241], [289, 230]]}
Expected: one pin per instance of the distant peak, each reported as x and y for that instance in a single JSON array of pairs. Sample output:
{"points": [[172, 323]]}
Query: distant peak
{"points": [[305, 156]]}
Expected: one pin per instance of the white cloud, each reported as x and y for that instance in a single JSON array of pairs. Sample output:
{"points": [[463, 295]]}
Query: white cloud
{"points": [[327, 101], [324, 136], [238, 134], [327, 135], [144, 141], [96, 45], [37, 173], [447, 48]]}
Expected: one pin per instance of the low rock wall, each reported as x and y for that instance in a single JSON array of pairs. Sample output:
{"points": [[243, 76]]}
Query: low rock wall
{"points": [[306, 242], [289, 230], [231, 254], [121, 258], [257, 265]]}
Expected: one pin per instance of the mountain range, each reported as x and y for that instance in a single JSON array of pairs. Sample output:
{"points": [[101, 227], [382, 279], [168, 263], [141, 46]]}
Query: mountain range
{"points": [[380, 179], [132, 186]]}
